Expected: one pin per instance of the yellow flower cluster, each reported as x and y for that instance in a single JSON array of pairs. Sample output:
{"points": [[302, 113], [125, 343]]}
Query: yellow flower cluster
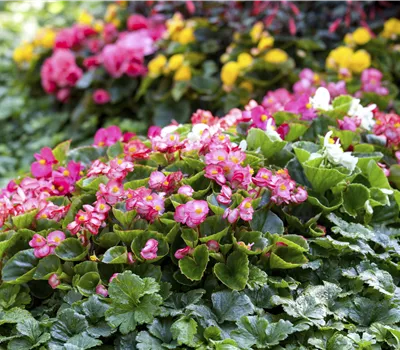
{"points": [[360, 36], [175, 64], [25, 53], [346, 57], [230, 71], [111, 15], [180, 30], [391, 28]]}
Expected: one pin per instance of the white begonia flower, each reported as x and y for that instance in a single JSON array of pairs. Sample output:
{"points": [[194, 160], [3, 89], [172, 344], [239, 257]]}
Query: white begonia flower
{"points": [[386, 191], [270, 131], [243, 145], [335, 155], [363, 113], [368, 207], [321, 99], [169, 129], [197, 131]]}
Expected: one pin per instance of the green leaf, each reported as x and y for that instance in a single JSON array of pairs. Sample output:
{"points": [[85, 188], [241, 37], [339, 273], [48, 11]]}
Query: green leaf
{"points": [[265, 220], [184, 330], [68, 324], [82, 341], [24, 220], [46, 267], [258, 139], [61, 150], [20, 268], [231, 305], [193, 267], [71, 249], [133, 301], [88, 283], [235, 272], [115, 255], [86, 154], [354, 198]]}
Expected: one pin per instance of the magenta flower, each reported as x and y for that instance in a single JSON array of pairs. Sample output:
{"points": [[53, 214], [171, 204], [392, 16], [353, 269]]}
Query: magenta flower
{"points": [[213, 245], [112, 192], [46, 246], [263, 178], [216, 157], [349, 123], [260, 117], [231, 214], [114, 275], [37, 241], [101, 96], [186, 190], [136, 149], [54, 281], [301, 105], [149, 251], [101, 290], [107, 136], [119, 169], [136, 22], [131, 260], [44, 164], [246, 210], [153, 131], [225, 196], [275, 101], [181, 253], [193, 213], [241, 177], [216, 173], [148, 205]]}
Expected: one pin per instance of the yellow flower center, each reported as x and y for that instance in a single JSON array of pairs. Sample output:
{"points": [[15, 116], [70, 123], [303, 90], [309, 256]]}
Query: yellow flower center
{"points": [[61, 188], [247, 205], [221, 137], [165, 183], [235, 159], [101, 206], [198, 210], [172, 137], [115, 189], [101, 143], [38, 240], [263, 118], [157, 207], [282, 187], [220, 158], [308, 105], [81, 218], [265, 176], [132, 149], [331, 141], [119, 161], [66, 173], [57, 239], [43, 216], [251, 171], [397, 125], [214, 172], [42, 161], [149, 198]]}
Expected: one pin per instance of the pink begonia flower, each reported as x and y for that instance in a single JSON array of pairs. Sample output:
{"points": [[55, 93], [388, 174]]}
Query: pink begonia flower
{"points": [[193, 213], [127, 136], [136, 149], [259, 116], [169, 143], [54, 281], [148, 205], [181, 253], [213, 245], [349, 123], [153, 131], [299, 195], [44, 164], [98, 168], [149, 251], [110, 32], [156, 179], [186, 190], [385, 170], [107, 136], [60, 71], [91, 62], [37, 241], [263, 178], [101, 290], [159, 182], [371, 81], [114, 275], [216, 157], [337, 89], [112, 192], [231, 214], [387, 126], [216, 173], [244, 245], [63, 95], [282, 192], [301, 105], [101, 96], [241, 177], [203, 117], [225, 196], [119, 169], [136, 22], [275, 101], [55, 238], [246, 210], [283, 130]]}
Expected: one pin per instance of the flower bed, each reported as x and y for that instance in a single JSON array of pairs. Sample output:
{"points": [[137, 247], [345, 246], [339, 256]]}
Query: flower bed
{"points": [[261, 228]]}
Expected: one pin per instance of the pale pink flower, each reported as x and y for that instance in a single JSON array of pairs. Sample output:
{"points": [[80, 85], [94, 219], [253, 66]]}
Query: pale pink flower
{"points": [[231, 214], [225, 196], [54, 281], [186, 190], [101, 290], [181, 253], [246, 209], [149, 251]]}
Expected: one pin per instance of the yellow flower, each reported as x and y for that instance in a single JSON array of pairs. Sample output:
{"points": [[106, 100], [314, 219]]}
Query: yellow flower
{"points": [[339, 57], [247, 85], [361, 36], [98, 26], [186, 36], [175, 25], [182, 74], [23, 53], [276, 56], [244, 60], [111, 12], [45, 37], [85, 18], [348, 39], [176, 61], [266, 43], [157, 64], [359, 61], [229, 73], [391, 28], [255, 32]]}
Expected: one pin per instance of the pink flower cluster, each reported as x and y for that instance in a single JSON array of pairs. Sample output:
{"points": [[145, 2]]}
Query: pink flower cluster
{"points": [[192, 214], [371, 81], [388, 126], [148, 204], [283, 188], [244, 211], [91, 218], [59, 73], [46, 246], [159, 182]]}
